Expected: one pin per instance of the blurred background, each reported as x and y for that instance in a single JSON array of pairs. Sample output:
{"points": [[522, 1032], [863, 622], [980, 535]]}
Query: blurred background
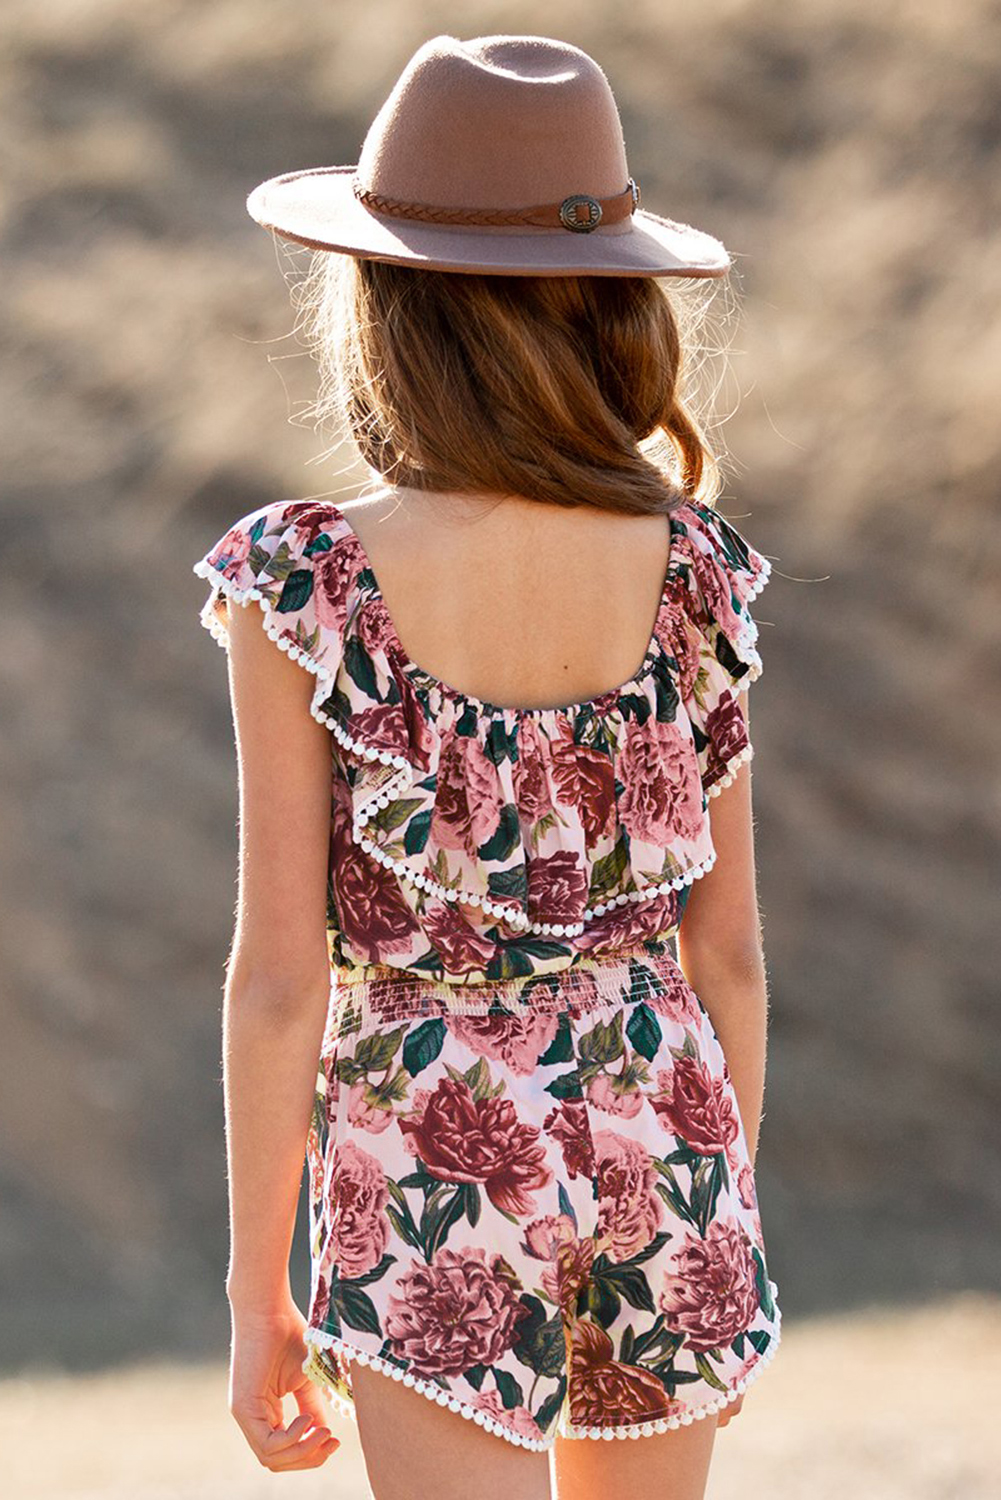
{"points": [[152, 392]]}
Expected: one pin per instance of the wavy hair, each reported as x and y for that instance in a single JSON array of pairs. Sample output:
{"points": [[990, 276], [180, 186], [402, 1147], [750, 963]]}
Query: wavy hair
{"points": [[571, 390]]}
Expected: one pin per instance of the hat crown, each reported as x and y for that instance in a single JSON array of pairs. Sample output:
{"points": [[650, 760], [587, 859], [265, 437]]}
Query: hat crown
{"points": [[499, 122]]}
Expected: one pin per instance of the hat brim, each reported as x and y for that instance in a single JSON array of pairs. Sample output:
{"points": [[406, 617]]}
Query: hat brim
{"points": [[317, 207]]}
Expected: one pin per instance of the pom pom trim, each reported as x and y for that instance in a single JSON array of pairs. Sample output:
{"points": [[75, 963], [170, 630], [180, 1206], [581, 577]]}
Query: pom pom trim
{"points": [[316, 1338], [319, 1339], [514, 917]]}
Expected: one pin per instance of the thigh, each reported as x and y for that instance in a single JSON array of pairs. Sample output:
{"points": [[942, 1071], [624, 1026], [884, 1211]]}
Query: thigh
{"points": [[671, 1465], [413, 1447]]}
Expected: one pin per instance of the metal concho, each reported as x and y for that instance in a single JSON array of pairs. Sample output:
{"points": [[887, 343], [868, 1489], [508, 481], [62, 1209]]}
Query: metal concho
{"points": [[570, 216]]}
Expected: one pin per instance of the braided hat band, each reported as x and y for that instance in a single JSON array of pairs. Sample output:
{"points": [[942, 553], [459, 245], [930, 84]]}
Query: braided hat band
{"points": [[580, 213], [499, 155]]}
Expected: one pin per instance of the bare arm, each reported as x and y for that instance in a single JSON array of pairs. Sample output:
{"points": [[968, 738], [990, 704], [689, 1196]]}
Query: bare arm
{"points": [[720, 948], [277, 983]]}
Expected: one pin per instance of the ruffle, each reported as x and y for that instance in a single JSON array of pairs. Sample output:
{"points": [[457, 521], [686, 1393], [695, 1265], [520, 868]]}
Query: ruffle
{"points": [[709, 627], [543, 820]]}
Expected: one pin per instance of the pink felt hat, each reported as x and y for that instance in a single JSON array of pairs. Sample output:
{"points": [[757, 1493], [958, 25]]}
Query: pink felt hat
{"points": [[502, 154]]}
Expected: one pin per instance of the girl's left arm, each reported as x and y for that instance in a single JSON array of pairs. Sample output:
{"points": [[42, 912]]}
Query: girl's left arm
{"points": [[274, 1016]]}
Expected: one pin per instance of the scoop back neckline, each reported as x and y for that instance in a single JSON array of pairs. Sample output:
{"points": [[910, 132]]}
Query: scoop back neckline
{"points": [[483, 706]]}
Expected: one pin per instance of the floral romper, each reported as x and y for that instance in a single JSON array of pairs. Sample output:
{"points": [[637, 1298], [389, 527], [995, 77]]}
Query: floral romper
{"points": [[531, 1195]]}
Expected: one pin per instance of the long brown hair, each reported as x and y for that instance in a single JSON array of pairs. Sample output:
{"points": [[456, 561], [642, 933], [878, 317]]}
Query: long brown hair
{"points": [[565, 389]]}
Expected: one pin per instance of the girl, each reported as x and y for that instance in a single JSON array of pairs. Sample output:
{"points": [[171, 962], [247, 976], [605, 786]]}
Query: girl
{"points": [[476, 781]]}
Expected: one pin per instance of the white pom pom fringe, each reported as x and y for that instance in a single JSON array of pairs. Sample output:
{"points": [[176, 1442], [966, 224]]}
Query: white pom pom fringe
{"points": [[428, 1388], [514, 917]]}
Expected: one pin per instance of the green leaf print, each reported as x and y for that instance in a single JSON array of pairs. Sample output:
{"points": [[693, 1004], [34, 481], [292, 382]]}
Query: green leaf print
{"points": [[476, 1374], [644, 1032], [550, 1408], [296, 592], [541, 1342], [418, 832], [440, 1213], [708, 1374], [423, 1045], [566, 1086], [505, 838], [602, 1301], [388, 819], [349, 1071], [607, 873], [510, 1391], [358, 665], [376, 1273], [376, 1051], [762, 1283], [760, 1338], [630, 1282], [561, 1047], [471, 1204], [566, 1207], [604, 1043], [357, 1308]]}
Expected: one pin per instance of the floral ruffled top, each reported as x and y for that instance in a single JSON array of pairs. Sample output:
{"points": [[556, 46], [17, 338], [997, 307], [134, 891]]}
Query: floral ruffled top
{"points": [[474, 842]]}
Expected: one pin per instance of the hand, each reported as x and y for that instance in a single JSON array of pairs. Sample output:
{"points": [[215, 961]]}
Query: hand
{"points": [[729, 1410], [266, 1360]]}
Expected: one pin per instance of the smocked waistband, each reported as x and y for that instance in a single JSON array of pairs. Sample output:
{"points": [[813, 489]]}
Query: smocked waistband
{"points": [[360, 1001]]}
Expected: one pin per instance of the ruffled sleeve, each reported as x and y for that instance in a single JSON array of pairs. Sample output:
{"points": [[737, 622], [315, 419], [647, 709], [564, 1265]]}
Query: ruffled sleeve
{"points": [[288, 558], [719, 573]]}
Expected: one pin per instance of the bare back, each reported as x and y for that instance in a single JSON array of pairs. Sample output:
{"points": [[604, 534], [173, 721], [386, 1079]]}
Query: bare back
{"points": [[512, 601]]}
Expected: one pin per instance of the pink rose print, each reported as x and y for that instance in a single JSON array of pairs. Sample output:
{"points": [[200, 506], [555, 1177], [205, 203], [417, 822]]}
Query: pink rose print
{"points": [[462, 1139], [629, 1210], [363, 1113], [320, 1303], [567, 1123], [605, 1091], [468, 798], [371, 909], [236, 547], [518, 1418], [630, 925], [333, 574], [531, 785], [746, 1186], [715, 587], [375, 628], [380, 726], [662, 797], [359, 1228], [675, 999], [727, 733], [554, 1239], [557, 887], [459, 1311], [461, 946], [712, 1296], [606, 1392], [585, 780], [694, 1104], [516, 1040]]}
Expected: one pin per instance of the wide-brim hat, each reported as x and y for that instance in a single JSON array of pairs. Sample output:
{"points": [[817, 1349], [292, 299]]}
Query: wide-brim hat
{"points": [[502, 154]]}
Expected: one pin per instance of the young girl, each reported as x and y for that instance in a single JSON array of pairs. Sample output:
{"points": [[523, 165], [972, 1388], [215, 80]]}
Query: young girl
{"points": [[498, 762]]}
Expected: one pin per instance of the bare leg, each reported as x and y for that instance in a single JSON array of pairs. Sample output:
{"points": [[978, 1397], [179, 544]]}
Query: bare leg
{"points": [[669, 1465], [415, 1450]]}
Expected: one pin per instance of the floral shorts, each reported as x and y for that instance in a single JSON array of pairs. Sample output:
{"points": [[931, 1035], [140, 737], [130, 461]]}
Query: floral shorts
{"points": [[532, 1201]]}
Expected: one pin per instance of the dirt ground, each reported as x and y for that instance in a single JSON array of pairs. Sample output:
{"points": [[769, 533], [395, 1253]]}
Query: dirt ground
{"points": [[882, 1406]]}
